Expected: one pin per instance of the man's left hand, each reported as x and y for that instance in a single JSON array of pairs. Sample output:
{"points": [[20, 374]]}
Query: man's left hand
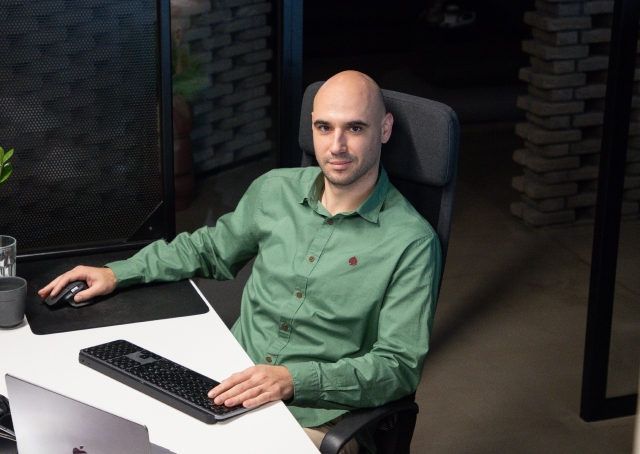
{"points": [[254, 386]]}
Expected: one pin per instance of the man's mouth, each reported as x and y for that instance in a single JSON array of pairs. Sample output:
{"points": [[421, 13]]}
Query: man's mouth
{"points": [[339, 164]]}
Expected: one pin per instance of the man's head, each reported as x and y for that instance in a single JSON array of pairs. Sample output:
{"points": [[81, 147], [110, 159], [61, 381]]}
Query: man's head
{"points": [[350, 124]]}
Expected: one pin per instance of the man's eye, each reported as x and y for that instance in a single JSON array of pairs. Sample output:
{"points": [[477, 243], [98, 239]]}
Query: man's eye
{"points": [[355, 128]]}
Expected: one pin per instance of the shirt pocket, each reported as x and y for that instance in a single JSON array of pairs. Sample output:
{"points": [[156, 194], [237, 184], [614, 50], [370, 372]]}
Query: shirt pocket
{"points": [[349, 286]]}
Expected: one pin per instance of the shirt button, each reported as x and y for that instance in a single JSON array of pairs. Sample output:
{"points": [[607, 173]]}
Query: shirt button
{"points": [[268, 358], [285, 327], [312, 258], [330, 222], [299, 295]]}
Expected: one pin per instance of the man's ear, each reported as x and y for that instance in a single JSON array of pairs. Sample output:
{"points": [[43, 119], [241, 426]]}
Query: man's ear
{"points": [[387, 125]]}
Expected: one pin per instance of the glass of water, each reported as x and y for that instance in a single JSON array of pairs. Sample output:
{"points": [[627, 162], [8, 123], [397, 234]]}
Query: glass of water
{"points": [[7, 256]]}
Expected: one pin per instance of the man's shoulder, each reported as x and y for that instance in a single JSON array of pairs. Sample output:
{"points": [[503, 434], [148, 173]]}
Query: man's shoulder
{"points": [[301, 174], [291, 179], [294, 181], [401, 215]]}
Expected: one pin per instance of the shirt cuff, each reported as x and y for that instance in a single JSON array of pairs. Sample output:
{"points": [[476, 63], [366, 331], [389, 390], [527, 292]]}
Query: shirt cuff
{"points": [[127, 273], [306, 383]]}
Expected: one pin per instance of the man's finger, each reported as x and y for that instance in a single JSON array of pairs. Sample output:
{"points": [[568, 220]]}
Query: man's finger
{"points": [[59, 284], [48, 289], [101, 281], [87, 294], [229, 383], [55, 286], [246, 397], [232, 393], [254, 386], [260, 399]]}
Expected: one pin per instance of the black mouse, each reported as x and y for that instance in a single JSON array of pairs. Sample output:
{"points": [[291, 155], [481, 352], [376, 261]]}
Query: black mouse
{"points": [[67, 294]]}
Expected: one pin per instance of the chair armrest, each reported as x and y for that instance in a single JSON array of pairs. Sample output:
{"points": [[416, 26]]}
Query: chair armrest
{"points": [[355, 421]]}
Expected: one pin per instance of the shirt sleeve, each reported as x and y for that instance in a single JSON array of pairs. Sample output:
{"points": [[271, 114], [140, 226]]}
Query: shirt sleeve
{"points": [[392, 369], [218, 252]]}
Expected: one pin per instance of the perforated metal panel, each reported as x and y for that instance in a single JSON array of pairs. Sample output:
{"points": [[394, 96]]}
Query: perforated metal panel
{"points": [[79, 104]]}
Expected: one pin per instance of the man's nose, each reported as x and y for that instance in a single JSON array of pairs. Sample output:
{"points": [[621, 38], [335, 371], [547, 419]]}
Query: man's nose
{"points": [[338, 142]]}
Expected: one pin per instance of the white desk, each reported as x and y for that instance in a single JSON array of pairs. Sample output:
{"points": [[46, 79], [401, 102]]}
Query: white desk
{"points": [[200, 342]]}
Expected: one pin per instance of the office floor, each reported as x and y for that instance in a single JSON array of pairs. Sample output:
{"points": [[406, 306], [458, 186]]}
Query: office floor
{"points": [[504, 371]]}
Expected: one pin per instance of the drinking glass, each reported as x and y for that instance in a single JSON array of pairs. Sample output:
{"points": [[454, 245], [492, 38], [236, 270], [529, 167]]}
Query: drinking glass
{"points": [[7, 256]]}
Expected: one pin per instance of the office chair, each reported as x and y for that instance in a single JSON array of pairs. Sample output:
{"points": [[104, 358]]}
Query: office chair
{"points": [[421, 160]]}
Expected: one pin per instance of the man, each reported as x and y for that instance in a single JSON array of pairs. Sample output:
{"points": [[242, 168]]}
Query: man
{"points": [[339, 306]]}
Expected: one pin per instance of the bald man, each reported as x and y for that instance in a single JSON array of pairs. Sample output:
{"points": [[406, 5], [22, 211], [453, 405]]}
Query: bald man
{"points": [[339, 307]]}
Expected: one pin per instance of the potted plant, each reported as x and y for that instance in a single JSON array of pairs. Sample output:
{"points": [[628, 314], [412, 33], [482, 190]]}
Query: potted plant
{"points": [[7, 244], [5, 165]]}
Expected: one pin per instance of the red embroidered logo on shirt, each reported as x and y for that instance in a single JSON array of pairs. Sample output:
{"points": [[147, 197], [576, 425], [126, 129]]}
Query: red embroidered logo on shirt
{"points": [[353, 261]]}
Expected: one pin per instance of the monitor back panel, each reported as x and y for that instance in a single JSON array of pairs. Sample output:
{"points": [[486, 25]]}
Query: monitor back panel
{"points": [[79, 104]]}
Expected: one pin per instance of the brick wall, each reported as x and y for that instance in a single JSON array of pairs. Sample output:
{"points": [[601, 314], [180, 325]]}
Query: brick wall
{"points": [[232, 120], [569, 56]]}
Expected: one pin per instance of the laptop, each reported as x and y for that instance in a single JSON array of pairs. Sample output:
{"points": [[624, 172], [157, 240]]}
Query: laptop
{"points": [[48, 422]]}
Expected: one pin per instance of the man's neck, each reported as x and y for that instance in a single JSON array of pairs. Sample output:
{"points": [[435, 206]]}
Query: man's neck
{"points": [[344, 199]]}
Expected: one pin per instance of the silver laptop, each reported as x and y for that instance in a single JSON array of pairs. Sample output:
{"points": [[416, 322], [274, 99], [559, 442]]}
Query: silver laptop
{"points": [[48, 422]]}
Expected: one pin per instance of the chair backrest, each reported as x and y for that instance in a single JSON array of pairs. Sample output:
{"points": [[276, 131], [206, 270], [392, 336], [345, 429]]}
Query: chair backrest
{"points": [[421, 156]]}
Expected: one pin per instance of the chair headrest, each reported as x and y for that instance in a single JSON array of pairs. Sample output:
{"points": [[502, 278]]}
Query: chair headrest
{"points": [[423, 136]]}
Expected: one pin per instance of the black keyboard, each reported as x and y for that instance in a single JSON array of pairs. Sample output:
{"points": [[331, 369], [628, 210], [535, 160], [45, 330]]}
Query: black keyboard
{"points": [[158, 377]]}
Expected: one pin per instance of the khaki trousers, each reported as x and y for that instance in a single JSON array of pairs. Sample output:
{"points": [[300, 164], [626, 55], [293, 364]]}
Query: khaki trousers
{"points": [[317, 435]]}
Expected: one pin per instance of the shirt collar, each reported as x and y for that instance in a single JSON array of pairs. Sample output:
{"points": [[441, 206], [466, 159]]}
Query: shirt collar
{"points": [[370, 208]]}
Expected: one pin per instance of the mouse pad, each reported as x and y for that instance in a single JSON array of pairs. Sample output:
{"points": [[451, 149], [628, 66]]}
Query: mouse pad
{"points": [[138, 303]]}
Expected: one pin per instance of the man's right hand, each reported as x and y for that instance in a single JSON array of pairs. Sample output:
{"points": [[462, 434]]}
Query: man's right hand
{"points": [[101, 281]]}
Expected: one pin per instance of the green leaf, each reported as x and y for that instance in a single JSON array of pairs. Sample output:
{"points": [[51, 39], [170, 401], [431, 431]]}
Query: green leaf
{"points": [[1, 156], [7, 156], [5, 172]]}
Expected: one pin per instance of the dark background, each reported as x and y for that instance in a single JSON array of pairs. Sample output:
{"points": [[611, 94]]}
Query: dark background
{"points": [[488, 52]]}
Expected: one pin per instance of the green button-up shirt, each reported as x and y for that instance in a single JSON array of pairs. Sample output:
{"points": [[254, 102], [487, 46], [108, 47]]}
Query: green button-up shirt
{"points": [[345, 302]]}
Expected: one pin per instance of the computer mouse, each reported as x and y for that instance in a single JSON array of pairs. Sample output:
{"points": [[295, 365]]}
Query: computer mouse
{"points": [[67, 294]]}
